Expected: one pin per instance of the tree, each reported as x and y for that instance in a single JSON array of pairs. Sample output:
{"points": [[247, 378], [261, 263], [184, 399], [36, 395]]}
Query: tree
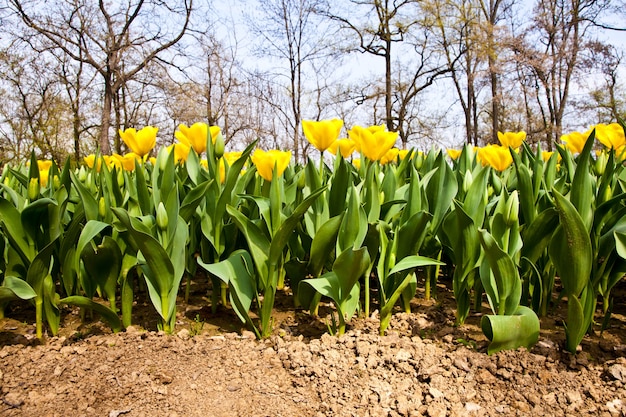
{"points": [[551, 49], [117, 40], [292, 32]]}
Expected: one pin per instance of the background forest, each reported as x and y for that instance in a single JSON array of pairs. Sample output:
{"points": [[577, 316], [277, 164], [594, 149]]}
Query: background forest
{"points": [[441, 73]]}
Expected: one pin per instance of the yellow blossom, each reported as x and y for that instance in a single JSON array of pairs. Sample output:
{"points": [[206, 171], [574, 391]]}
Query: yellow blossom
{"points": [[266, 160], [373, 142], [404, 152], [181, 151], [496, 156], [195, 136], [126, 161], [323, 133], [575, 141], [511, 139], [545, 155], [356, 162], [454, 153], [140, 142], [345, 146], [390, 156], [611, 135], [90, 161]]}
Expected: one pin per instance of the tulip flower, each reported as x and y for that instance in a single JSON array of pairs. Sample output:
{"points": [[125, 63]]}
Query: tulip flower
{"points": [[90, 161], [373, 142], [356, 162], [228, 158], [611, 136], [345, 146], [181, 151], [322, 134], [43, 177], [511, 139], [195, 136], [575, 141], [140, 142], [496, 156], [390, 156], [546, 155], [126, 161], [454, 153], [44, 165], [266, 161]]}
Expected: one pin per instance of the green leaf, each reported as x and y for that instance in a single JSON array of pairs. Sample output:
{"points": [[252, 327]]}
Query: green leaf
{"points": [[238, 272], [323, 244], [353, 225], [90, 205], [582, 196], [285, 230], [508, 286], [349, 267], [520, 329], [12, 225], [158, 267], [192, 200], [15, 288], [105, 312], [570, 249]]}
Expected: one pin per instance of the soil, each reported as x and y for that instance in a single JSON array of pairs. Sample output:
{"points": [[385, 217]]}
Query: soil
{"points": [[424, 366]]}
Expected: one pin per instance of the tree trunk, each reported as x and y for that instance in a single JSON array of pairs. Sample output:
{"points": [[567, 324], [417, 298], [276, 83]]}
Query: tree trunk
{"points": [[105, 146]]}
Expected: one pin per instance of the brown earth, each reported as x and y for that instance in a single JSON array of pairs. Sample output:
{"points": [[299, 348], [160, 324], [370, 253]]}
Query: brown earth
{"points": [[423, 366]]}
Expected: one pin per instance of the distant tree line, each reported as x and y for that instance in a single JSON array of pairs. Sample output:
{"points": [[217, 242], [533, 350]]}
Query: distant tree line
{"points": [[75, 72]]}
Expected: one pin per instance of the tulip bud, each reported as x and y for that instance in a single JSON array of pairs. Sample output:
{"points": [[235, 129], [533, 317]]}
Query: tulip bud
{"points": [[496, 182], [161, 216], [102, 208], [468, 179], [512, 209], [418, 160], [56, 182], [607, 195], [600, 164], [82, 174], [33, 189], [219, 145], [120, 178], [301, 181]]}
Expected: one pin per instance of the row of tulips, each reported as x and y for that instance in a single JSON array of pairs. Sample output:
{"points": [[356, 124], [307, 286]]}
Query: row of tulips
{"points": [[515, 225]]}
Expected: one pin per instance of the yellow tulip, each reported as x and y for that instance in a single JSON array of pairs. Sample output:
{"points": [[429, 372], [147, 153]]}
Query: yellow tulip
{"points": [[611, 136], [140, 142], [496, 156], [126, 161], [575, 141], [390, 156], [344, 146], [454, 153], [511, 139], [545, 155], [356, 162], [181, 151], [43, 177], [265, 162], [229, 158], [402, 153], [373, 142], [90, 161], [195, 136], [44, 165], [323, 133]]}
